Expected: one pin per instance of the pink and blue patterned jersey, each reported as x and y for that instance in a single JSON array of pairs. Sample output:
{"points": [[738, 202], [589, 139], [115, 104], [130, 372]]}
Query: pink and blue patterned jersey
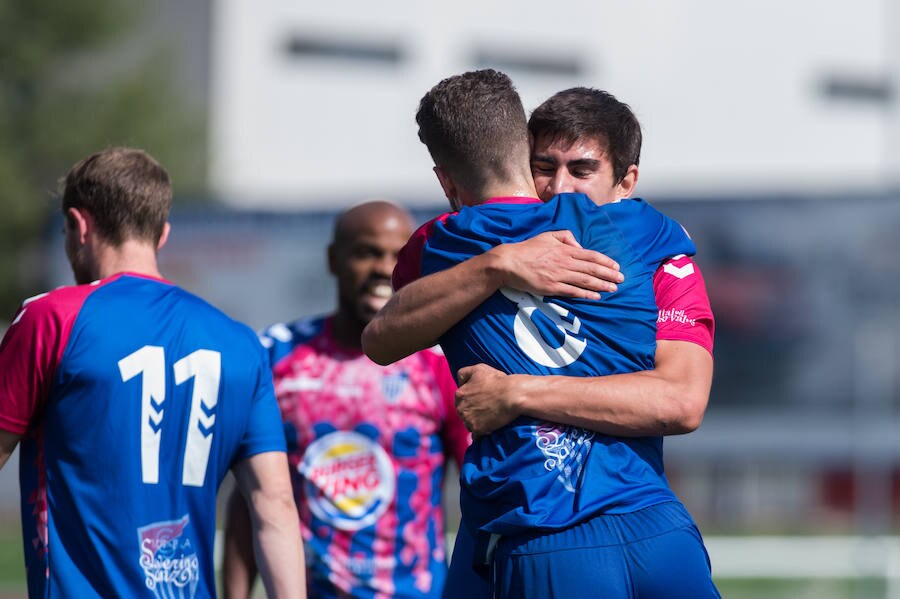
{"points": [[367, 446], [531, 473], [133, 399]]}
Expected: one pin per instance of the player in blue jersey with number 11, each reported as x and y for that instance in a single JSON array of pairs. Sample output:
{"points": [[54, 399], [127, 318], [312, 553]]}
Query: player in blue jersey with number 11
{"points": [[132, 399]]}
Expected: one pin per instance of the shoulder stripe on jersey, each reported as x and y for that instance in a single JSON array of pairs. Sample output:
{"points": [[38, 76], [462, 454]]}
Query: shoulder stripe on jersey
{"points": [[679, 271]]}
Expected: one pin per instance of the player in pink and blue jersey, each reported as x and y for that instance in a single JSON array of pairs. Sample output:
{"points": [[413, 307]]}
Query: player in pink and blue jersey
{"points": [[563, 522], [367, 444], [132, 399]]}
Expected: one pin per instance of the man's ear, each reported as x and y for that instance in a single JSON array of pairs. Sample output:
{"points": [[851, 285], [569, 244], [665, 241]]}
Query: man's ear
{"points": [[448, 186], [80, 223], [164, 237], [626, 186]]}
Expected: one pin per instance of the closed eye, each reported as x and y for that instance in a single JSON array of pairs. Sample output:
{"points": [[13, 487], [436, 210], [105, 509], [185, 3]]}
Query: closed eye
{"points": [[543, 167]]}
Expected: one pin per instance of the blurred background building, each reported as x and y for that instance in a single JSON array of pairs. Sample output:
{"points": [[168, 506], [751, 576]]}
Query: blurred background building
{"points": [[771, 131], [314, 101]]}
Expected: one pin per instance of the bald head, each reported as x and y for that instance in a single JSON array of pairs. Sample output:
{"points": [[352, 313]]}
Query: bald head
{"points": [[363, 252], [377, 214]]}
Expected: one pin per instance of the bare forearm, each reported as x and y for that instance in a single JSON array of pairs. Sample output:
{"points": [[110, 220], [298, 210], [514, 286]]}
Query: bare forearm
{"points": [[551, 263], [625, 405], [239, 563], [421, 312], [278, 547], [266, 487], [669, 400]]}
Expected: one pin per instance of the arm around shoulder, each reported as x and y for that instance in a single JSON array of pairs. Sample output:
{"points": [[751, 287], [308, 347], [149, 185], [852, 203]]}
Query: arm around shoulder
{"points": [[684, 371], [419, 313], [551, 263], [671, 399]]}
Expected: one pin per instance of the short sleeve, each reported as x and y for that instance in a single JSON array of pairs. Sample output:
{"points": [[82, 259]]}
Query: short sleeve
{"points": [[684, 309], [409, 260], [30, 353], [264, 430]]}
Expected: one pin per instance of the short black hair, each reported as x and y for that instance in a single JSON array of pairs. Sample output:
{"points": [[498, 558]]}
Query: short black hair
{"points": [[582, 112]]}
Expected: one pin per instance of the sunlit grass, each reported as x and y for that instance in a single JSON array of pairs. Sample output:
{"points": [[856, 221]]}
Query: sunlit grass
{"points": [[12, 562]]}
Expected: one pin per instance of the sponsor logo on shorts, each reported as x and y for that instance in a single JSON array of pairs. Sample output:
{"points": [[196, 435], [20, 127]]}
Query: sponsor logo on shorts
{"points": [[170, 563], [349, 479]]}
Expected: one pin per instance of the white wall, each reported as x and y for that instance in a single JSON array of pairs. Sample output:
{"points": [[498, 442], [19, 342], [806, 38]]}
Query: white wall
{"points": [[729, 93]]}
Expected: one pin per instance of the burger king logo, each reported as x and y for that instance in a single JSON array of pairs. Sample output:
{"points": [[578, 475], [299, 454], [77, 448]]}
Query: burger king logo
{"points": [[349, 479]]}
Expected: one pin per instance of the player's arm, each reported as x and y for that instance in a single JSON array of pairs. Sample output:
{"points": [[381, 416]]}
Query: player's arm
{"points": [[238, 564], [668, 400], [8, 442], [552, 263], [29, 353], [265, 484]]}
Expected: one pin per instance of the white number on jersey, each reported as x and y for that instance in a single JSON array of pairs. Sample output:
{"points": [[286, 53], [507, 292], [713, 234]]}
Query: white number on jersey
{"points": [[204, 366], [529, 337]]}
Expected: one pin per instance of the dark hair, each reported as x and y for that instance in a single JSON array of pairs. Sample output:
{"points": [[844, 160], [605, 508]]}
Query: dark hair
{"points": [[474, 127], [126, 191], [582, 112]]}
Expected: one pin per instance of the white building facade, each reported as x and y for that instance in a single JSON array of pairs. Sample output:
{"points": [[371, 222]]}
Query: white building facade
{"points": [[312, 104]]}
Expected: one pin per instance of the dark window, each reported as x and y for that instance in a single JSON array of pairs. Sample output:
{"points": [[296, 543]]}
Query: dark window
{"points": [[568, 66], [382, 52], [858, 88]]}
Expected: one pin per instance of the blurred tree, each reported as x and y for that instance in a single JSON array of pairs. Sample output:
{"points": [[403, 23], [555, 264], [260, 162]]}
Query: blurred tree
{"points": [[76, 77]]}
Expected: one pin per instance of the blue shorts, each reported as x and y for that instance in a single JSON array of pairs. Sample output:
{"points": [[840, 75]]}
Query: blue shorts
{"points": [[654, 553]]}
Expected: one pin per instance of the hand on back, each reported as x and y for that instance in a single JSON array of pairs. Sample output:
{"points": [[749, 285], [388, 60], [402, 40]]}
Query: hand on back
{"points": [[485, 399], [554, 264]]}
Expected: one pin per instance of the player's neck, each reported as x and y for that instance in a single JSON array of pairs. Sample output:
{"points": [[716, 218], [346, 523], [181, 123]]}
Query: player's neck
{"points": [[130, 256], [517, 187], [347, 331]]}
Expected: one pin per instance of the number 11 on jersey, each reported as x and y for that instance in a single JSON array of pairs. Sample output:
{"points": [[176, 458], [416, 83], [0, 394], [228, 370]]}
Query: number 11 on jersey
{"points": [[202, 365]]}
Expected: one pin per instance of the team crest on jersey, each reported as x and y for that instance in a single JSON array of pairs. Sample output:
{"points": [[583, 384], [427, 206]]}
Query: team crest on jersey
{"points": [[393, 385], [349, 479], [170, 563], [565, 450]]}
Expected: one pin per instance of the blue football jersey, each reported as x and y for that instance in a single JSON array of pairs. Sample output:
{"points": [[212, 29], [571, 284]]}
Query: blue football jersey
{"points": [[134, 398], [541, 474]]}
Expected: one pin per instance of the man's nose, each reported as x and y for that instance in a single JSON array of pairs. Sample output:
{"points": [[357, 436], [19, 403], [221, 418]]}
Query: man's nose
{"points": [[385, 265], [560, 182]]}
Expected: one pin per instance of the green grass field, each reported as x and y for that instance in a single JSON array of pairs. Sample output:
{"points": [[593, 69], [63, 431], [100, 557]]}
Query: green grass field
{"points": [[12, 568], [802, 589]]}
